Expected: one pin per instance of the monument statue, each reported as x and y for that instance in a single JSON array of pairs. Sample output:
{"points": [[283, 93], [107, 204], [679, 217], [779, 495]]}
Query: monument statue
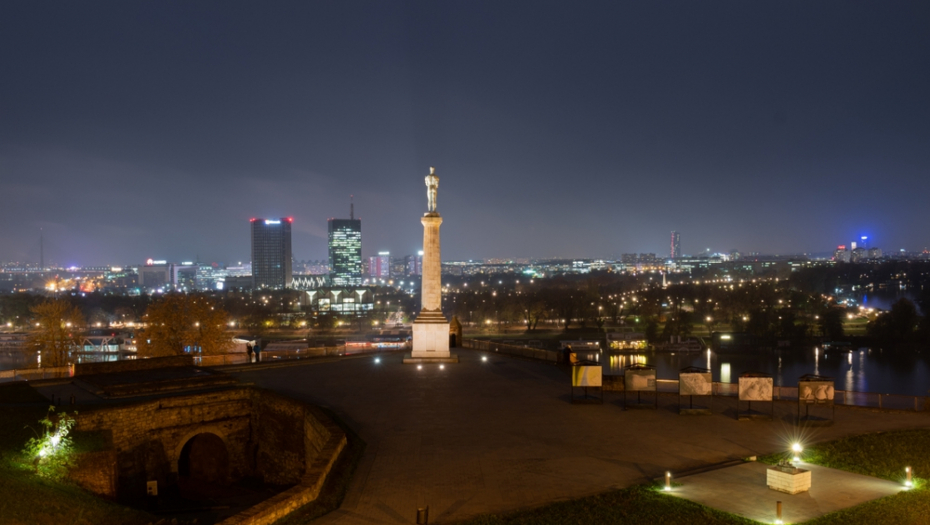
{"points": [[432, 188], [431, 330]]}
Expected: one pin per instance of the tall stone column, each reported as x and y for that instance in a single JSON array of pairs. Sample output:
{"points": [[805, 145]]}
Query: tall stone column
{"points": [[431, 286], [431, 328]]}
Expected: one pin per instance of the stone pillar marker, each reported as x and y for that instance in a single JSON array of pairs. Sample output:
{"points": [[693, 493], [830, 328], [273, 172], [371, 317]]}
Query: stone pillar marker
{"points": [[431, 328]]}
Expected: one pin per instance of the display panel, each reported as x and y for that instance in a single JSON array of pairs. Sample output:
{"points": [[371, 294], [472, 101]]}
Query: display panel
{"points": [[640, 380], [583, 376], [695, 384], [755, 388]]}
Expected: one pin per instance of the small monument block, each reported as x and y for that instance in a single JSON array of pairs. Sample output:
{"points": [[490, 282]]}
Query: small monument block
{"points": [[788, 479]]}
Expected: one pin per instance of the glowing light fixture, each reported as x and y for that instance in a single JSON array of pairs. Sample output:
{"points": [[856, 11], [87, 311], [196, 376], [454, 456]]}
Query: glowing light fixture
{"points": [[419, 367], [668, 480], [797, 449], [908, 483]]}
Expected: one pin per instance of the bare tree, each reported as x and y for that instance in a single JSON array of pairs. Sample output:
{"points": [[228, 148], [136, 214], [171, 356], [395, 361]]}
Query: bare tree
{"points": [[57, 332]]}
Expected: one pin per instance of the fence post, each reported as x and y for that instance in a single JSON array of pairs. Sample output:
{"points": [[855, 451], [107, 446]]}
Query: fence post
{"points": [[879, 400]]}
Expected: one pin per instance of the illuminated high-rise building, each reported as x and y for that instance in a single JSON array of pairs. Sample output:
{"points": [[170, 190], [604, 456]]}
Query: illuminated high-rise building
{"points": [[345, 250], [271, 253], [379, 266], [414, 264], [676, 245]]}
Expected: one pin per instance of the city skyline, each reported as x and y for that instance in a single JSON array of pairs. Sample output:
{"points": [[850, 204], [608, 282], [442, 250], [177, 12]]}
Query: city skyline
{"points": [[135, 131]]}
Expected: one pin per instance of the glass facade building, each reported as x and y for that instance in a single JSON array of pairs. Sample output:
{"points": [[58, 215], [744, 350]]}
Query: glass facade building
{"points": [[271, 253], [345, 251]]}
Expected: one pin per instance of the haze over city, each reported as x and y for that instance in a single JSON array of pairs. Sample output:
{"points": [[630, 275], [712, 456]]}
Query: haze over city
{"points": [[137, 130]]}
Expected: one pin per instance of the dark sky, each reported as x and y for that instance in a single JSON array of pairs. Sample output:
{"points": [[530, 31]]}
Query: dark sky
{"points": [[157, 129]]}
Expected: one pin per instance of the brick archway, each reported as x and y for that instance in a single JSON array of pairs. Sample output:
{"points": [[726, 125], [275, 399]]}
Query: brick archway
{"points": [[204, 429]]}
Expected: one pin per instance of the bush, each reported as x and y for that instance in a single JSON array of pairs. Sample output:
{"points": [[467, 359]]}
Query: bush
{"points": [[51, 450]]}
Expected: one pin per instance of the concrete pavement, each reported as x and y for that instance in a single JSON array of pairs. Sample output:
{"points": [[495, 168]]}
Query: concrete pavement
{"points": [[499, 435]]}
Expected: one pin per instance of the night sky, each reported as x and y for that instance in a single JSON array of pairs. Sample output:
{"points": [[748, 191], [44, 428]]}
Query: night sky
{"points": [[131, 130]]}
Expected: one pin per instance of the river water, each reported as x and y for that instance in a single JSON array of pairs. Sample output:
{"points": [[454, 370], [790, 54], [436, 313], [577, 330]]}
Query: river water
{"points": [[860, 369]]}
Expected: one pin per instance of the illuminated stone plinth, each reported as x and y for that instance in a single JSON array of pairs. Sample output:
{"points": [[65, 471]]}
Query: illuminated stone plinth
{"points": [[790, 480]]}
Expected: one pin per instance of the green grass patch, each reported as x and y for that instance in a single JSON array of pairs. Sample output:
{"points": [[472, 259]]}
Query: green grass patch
{"points": [[31, 500], [337, 483], [907, 508], [637, 505]]}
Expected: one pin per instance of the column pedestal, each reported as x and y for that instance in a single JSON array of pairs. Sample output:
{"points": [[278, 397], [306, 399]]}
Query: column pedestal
{"points": [[431, 328]]}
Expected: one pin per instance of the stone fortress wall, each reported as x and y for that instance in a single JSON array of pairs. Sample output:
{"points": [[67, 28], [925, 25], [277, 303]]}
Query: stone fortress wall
{"points": [[275, 438], [132, 365]]}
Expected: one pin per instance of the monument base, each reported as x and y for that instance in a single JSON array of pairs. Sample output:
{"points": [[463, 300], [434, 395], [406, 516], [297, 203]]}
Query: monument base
{"points": [[430, 340], [431, 360]]}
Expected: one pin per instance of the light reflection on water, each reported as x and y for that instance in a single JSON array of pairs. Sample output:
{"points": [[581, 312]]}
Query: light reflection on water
{"points": [[861, 370]]}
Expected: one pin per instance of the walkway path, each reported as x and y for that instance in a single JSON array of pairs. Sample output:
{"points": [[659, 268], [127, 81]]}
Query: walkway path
{"points": [[498, 435]]}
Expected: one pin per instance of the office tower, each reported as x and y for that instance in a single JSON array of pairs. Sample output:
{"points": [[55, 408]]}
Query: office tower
{"points": [[676, 245], [842, 254], [345, 250], [271, 253], [379, 266]]}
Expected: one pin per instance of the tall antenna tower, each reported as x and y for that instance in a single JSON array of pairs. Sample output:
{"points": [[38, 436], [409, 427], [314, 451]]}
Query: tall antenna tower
{"points": [[351, 207], [41, 249]]}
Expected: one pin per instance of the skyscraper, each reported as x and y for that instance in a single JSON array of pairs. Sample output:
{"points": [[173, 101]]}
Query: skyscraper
{"points": [[271, 253], [345, 250], [676, 245]]}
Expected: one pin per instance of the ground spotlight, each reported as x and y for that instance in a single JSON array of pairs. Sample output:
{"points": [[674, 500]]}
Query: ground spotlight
{"points": [[419, 367], [377, 360], [442, 367], [484, 358]]}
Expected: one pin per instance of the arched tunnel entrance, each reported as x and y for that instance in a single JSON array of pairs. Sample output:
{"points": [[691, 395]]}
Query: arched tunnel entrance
{"points": [[203, 463]]}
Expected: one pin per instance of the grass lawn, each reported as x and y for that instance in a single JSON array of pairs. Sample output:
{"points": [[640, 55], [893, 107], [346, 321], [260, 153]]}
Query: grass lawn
{"points": [[30, 500], [882, 455], [637, 505]]}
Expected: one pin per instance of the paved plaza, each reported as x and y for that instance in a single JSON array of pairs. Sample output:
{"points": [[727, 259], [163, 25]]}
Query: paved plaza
{"points": [[742, 490], [500, 435]]}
